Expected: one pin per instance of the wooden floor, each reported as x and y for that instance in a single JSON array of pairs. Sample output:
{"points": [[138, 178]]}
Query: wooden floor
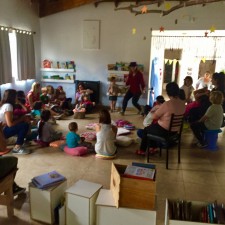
{"points": [[200, 176]]}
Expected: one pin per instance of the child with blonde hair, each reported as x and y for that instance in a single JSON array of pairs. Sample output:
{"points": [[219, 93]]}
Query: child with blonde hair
{"points": [[212, 120]]}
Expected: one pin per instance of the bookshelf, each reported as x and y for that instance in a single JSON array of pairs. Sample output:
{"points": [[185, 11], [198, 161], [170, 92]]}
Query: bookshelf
{"points": [[176, 211]]}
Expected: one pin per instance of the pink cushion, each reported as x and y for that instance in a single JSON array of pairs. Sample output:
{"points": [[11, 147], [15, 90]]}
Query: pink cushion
{"points": [[78, 151]]}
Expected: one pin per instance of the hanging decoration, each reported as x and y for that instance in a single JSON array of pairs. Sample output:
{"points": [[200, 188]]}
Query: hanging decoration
{"points": [[134, 31], [155, 5], [167, 6], [144, 9], [203, 59], [212, 29], [161, 29], [206, 34]]}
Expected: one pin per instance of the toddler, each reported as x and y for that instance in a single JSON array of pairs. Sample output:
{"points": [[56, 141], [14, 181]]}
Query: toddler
{"points": [[113, 92], [74, 140], [105, 134]]}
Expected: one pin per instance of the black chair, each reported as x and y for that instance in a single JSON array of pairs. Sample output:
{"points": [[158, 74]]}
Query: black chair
{"points": [[176, 124]]}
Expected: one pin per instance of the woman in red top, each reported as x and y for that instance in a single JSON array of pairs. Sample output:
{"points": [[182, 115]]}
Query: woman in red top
{"points": [[137, 86]]}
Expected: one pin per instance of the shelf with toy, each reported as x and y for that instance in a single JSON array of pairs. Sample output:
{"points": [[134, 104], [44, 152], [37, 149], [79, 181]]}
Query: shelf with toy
{"points": [[57, 81], [61, 70]]}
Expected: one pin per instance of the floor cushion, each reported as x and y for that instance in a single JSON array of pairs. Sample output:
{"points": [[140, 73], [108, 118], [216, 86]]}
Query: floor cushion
{"points": [[90, 136], [77, 151], [105, 156]]}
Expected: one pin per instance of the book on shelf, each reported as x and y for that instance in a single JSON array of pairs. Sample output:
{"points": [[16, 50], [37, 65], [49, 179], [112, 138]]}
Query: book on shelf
{"points": [[138, 172], [48, 180]]}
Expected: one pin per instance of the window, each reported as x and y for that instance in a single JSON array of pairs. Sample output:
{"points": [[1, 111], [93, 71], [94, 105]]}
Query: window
{"points": [[13, 49]]}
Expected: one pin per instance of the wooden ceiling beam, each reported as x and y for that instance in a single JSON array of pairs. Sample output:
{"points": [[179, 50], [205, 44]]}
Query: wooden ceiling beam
{"points": [[48, 7]]}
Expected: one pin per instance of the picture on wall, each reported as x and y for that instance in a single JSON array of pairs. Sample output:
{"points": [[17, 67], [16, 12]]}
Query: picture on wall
{"points": [[91, 34]]}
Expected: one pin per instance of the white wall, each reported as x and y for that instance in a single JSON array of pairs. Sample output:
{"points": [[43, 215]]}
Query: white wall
{"points": [[61, 36], [23, 15]]}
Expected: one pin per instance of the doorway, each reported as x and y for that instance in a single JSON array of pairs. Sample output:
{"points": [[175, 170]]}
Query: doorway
{"points": [[171, 66]]}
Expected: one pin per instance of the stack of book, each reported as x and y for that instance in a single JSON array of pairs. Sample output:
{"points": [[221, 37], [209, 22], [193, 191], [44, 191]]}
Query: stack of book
{"points": [[141, 171], [47, 180]]}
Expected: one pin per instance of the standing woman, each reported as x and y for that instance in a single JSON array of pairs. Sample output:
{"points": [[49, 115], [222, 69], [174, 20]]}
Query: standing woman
{"points": [[33, 96], [13, 127], [136, 85]]}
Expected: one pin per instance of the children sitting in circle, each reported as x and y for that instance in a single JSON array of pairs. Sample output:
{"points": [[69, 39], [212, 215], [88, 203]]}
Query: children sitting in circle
{"points": [[105, 134]]}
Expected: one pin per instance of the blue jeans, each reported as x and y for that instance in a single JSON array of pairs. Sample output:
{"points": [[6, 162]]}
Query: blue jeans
{"points": [[135, 98], [19, 129]]}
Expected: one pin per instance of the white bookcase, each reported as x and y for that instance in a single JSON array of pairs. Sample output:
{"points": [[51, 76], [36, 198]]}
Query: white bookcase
{"points": [[70, 73], [108, 214], [195, 212]]}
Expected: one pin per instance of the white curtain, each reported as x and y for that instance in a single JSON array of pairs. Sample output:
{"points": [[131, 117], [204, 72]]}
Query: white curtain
{"points": [[25, 56], [5, 58]]}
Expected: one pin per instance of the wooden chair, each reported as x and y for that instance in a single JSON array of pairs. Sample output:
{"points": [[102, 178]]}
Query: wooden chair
{"points": [[6, 187], [176, 124]]}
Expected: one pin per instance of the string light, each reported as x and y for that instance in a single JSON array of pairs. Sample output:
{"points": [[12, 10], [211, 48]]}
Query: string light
{"points": [[11, 29]]}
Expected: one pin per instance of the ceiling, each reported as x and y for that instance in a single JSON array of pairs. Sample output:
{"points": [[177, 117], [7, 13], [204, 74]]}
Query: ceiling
{"points": [[137, 7]]}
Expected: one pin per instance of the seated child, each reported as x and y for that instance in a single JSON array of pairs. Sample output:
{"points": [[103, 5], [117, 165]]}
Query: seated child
{"points": [[74, 140], [148, 119], [87, 103], [44, 95], [105, 134], [20, 109], [46, 133], [212, 120]]}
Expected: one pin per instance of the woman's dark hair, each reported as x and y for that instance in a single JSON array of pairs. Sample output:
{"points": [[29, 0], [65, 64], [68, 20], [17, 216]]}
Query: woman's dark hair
{"points": [[9, 96], [45, 116], [182, 94], [160, 99], [80, 84], [104, 117], [220, 81], [21, 97], [172, 89], [73, 126]]}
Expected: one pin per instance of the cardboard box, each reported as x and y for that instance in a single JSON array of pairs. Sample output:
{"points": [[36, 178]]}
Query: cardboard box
{"points": [[131, 192], [44, 202], [107, 213], [80, 203]]}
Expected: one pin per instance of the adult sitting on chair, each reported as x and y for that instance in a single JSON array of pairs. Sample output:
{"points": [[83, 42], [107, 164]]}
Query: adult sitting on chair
{"points": [[8, 164], [173, 106]]}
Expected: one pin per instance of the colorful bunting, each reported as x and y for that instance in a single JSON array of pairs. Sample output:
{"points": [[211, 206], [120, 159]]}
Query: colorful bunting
{"points": [[134, 31], [167, 6], [161, 29], [212, 29]]}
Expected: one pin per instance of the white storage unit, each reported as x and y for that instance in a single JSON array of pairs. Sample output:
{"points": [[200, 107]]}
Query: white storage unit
{"points": [[43, 202], [80, 203], [108, 214], [196, 212]]}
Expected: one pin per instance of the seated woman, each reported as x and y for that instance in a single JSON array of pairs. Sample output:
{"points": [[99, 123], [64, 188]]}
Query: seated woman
{"points": [[11, 127], [81, 90], [173, 106], [33, 96]]}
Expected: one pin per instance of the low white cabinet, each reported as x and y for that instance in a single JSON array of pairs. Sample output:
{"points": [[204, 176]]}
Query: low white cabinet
{"points": [[44, 202], [80, 203], [108, 214]]}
